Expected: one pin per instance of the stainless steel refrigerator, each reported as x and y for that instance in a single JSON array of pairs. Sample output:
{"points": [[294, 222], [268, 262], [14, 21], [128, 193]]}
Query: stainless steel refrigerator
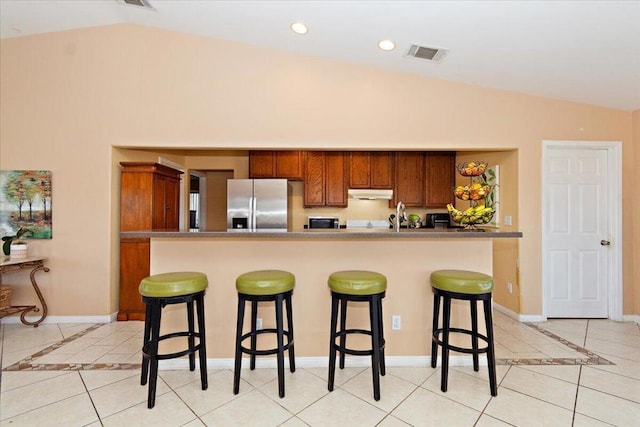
{"points": [[257, 205]]}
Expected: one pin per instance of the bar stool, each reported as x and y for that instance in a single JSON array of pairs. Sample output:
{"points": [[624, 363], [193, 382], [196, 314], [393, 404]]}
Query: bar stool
{"points": [[357, 285], [473, 287], [257, 286], [158, 291]]}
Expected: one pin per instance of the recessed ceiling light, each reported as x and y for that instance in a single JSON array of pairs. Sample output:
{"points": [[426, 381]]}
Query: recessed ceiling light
{"points": [[299, 28], [386, 45]]}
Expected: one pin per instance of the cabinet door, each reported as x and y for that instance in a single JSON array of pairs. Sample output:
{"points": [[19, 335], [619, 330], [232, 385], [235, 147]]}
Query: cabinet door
{"points": [[382, 169], [409, 179], [336, 178], [134, 266], [288, 164], [172, 204], [314, 179], [159, 206], [262, 164], [166, 194], [359, 169], [440, 178]]}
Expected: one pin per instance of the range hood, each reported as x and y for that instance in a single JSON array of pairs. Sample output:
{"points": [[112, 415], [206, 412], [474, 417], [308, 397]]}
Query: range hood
{"points": [[370, 194]]}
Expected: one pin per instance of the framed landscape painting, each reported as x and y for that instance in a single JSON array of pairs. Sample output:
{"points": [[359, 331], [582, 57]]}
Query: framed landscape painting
{"points": [[25, 201]]}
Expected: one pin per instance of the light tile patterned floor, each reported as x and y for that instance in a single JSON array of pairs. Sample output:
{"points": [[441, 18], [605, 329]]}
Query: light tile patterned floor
{"points": [[561, 372]]}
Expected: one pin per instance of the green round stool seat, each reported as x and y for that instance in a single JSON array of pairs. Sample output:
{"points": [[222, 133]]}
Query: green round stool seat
{"points": [[175, 284], [462, 281], [357, 282], [265, 282]]}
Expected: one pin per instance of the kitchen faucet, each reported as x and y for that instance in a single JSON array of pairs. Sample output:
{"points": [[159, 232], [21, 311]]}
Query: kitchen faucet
{"points": [[401, 215]]}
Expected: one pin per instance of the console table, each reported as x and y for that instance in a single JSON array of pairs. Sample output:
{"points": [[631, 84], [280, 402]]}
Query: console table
{"points": [[36, 264]]}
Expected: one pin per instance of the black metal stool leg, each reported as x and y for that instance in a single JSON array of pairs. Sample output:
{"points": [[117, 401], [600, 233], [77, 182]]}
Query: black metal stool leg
{"points": [[491, 357], [375, 345], [156, 314], [474, 333], [202, 352], [446, 319], [290, 340], [147, 336], [434, 330], [343, 327], [191, 338], [332, 340], [381, 335], [254, 336], [280, 339], [238, 355]]}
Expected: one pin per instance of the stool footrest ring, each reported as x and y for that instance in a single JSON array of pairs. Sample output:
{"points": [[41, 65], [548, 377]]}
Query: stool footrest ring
{"points": [[145, 347], [265, 352], [461, 349], [352, 351]]}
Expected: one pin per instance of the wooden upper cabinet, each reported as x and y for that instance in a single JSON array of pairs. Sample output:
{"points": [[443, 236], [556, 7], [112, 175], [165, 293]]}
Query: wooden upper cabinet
{"points": [[336, 181], [371, 169], [409, 179], [440, 178], [325, 178], [262, 164], [314, 195], [276, 164], [289, 164]]}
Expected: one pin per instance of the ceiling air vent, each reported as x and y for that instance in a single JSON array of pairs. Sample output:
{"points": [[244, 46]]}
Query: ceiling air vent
{"points": [[434, 54], [139, 3]]}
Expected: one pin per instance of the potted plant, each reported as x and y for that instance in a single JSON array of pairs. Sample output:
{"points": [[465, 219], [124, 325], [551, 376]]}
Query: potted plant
{"points": [[16, 244]]}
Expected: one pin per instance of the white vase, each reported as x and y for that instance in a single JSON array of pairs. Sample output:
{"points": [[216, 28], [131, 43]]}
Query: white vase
{"points": [[18, 251]]}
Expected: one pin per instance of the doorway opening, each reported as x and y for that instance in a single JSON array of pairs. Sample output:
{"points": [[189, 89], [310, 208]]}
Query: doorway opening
{"points": [[208, 199]]}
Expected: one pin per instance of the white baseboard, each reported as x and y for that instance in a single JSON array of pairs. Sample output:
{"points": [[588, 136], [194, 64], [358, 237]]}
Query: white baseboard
{"points": [[525, 318], [321, 362], [108, 318], [631, 318]]}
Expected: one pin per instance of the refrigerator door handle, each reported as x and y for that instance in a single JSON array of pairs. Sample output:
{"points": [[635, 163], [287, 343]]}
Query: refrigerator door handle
{"points": [[253, 226]]}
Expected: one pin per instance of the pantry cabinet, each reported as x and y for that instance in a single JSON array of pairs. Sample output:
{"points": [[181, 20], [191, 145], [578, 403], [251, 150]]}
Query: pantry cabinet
{"points": [[149, 200]]}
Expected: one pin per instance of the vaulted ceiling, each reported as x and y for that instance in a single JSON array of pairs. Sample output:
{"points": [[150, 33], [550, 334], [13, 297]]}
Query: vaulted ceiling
{"points": [[583, 51]]}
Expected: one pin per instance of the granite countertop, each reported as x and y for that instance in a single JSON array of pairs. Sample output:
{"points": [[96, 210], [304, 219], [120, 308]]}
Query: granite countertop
{"points": [[419, 233]]}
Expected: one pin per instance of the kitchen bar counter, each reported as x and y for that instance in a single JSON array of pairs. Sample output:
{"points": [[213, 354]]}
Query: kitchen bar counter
{"points": [[407, 258], [368, 233]]}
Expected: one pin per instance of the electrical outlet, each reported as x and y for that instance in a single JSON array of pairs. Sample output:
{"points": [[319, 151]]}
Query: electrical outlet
{"points": [[396, 322], [259, 323], [507, 220], [509, 287]]}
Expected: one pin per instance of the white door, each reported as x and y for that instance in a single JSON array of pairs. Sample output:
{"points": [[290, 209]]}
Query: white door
{"points": [[576, 232]]}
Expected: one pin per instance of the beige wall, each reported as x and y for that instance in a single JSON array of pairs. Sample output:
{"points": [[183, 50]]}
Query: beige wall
{"points": [[67, 98]]}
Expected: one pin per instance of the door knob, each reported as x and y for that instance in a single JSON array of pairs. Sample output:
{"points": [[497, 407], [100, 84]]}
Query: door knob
{"points": [[605, 242]]}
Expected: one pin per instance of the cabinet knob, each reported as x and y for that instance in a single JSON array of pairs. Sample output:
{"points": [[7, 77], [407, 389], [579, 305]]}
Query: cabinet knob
{"points": [[605, 242]]}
